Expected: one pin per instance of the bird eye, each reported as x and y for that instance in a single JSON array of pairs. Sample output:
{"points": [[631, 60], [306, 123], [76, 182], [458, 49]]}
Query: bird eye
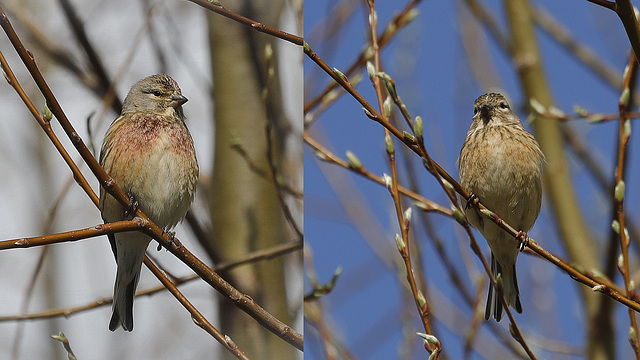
{"points": [[475, 110], [504, 106], [157, 93]]}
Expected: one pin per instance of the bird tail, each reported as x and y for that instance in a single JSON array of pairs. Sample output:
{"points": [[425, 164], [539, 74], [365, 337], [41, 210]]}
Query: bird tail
{"points": [[509, 289], [129, 251]]}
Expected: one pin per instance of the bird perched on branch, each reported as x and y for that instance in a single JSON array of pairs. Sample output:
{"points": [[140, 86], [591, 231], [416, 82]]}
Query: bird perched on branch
{"points": [[149, 153], [501, 164]]}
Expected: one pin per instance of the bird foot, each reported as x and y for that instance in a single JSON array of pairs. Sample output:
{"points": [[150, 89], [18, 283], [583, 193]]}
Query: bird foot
{"points": [[472, 200], [170, 234], [132, 207], [524, 240]]}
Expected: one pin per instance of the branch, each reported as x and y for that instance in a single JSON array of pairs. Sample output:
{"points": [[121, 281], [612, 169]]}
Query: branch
{"points": [[325, 155], [618, 198], [197, 317], [105, 86], [397, 22], [251, 257], [605, 3], [217, 7]]}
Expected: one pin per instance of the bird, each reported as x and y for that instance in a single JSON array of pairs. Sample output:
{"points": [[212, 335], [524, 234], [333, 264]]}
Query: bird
{"points": [[501, 164], [149, 153]]}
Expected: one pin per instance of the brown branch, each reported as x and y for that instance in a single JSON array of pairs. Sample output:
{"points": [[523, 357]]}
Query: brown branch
{"points": [[44, 122], [618, 194], [420, 301], [259, 255], [216, 7], [604, 3], [278, 187], [75, 235], [104, 86], [515, 330], [197, 317], [399, 21], [422, 202], [263, 173], [242, 301], [626, 13]]}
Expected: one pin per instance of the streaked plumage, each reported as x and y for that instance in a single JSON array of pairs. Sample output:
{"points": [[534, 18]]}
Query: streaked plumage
{"points": [[501, 163]]}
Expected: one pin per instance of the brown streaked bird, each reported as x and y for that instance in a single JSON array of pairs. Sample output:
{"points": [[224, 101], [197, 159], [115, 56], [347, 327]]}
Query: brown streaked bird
{"points": [[149, 153], [501, 163]]}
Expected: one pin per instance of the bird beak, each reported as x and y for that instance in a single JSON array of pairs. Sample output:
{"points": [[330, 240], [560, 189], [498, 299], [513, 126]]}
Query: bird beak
{"points": [[177, 100], [485, 112]]}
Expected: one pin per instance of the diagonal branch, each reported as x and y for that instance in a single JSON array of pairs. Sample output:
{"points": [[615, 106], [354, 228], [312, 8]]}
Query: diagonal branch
{"points": [[217, 7]]}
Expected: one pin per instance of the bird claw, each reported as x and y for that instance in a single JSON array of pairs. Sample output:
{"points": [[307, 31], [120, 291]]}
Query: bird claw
{"points": [[473, 199], [170, 234], [524, 240], [132, 207]]}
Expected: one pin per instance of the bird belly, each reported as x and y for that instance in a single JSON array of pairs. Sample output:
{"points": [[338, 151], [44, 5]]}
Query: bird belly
{"points": [[164, 186], [159, 169]]}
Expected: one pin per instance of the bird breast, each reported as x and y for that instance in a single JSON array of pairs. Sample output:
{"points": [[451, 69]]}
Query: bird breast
{"points": [[505, 172], [153, 157]]}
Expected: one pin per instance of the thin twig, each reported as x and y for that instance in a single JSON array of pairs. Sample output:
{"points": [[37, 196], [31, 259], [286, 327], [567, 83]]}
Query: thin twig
{"points": [[263, 173], [325, 155], [105, 84], [197, 317], [422, 305], [279, 189], [618, 194], [44, 122], [314, 315], [398, 22], [217, 7]]}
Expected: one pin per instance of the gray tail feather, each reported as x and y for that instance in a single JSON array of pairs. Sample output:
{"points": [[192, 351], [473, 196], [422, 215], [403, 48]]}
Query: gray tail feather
{"points": [[124, 316], [494, 305]]}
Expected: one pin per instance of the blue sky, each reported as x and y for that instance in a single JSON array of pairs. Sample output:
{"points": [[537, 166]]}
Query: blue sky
{"points": [[433, 76]]}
